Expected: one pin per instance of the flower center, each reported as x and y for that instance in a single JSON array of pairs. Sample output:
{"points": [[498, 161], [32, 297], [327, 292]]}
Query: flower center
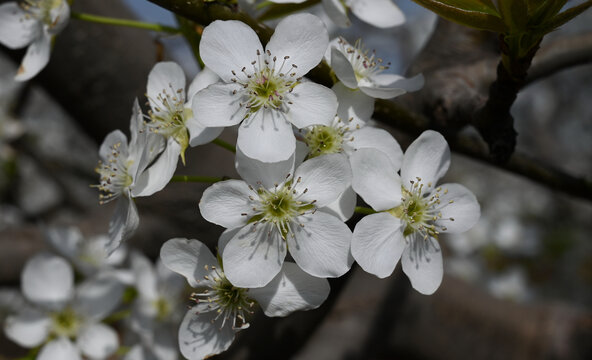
{"points": [[420, 209], [114, 176], [169, 115], [323, 139], [41, 9], [65, 323], [230, 302], [162, 307], [364, 62], [280, 206], [267, 85]]}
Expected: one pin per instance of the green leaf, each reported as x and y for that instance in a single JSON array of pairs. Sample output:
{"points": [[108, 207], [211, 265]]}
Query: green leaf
{"points": [[514, 14], [545, 11], [473, 17], [566, 16]]}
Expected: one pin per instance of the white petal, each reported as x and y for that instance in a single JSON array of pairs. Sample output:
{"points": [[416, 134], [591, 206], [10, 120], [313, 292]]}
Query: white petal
{"points": [[200, 335], [288, 1], [202, 80], [343, 68], [379, 139], [158, 175], [380, 13], [326, 177], [426, 270], [188, 258], [302, 37], [254, 256], [65, 240], [336, 12], [138, 352], [217, 106], [97, 297], [266, 174], [225, 238], [60, 15], [28, 329], [47, 280], [123, 223], [378, 243], [388, 86], [145, 276], [97, 341], [166, 344], [312, 104], [60, 348], [291, 290], [17, 28], [225, 201], [353, 103], [321, 247], [344, 207], [199, 134], [36, 58], [428, 158], [464, 209], [165, 78], [267, 136], [229, 45], [116, 138], [375, 179], [144, 145]]}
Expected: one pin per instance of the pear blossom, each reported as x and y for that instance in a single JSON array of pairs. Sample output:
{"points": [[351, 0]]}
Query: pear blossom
{"points": [[128, 171], [32, 23], [64, 320], [158, 309], [263, 90], [275, 211], [357, 68], [222, 309], [88, 254], [170, 111], [380, 13], [412, 211]]}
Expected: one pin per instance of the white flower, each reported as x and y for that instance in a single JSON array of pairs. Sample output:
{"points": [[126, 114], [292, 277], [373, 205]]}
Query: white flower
{"points": [[275, 210], [412, 211], [264, 89], [380, 13], [221, 309], [358, 68], [66, 321], [88, 255], [125, 174], [171, 114], [33, 23], [158, 309]]}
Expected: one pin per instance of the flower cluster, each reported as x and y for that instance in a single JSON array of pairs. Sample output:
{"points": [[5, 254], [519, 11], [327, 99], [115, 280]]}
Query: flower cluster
{"points": [[304, 153]]}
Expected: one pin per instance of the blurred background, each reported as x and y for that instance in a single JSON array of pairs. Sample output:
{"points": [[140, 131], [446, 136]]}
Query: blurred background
{"points": [[517, 286]]}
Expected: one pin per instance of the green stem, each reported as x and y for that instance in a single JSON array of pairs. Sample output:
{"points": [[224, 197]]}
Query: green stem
{"points": [[124, 22], [364, 210], [198, 179], [224, 144]]}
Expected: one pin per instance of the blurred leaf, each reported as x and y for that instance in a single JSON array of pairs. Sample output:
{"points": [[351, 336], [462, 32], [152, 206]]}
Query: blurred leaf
{"points": [[514, 14], [566, 16], [544, 11], [478, 14]]}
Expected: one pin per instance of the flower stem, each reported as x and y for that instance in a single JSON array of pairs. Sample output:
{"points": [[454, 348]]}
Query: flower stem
{"points": [[224, 144], [364, 210], [124, 22], [198, 179]]}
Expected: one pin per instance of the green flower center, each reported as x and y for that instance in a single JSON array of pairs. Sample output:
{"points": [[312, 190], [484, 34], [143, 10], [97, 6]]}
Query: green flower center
{"points": [[170, 120], [323, 139], [280, 207], [65, 323], [163, 308]]}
